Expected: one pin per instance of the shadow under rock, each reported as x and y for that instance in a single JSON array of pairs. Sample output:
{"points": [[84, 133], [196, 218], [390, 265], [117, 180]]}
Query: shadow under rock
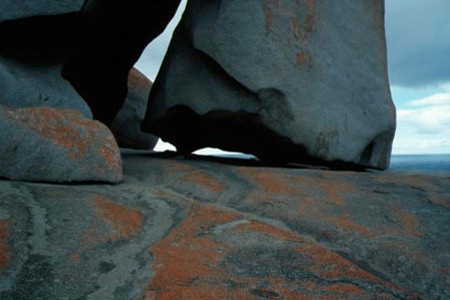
{"points": [[223, 159]]}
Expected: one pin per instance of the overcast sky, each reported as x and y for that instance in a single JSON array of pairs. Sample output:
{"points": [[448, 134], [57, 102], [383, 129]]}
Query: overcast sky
{"points": [[418, 34]]}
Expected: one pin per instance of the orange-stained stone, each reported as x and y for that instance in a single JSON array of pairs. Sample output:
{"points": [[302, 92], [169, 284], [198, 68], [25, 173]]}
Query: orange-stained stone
{"points": [[332, 266], [347, 289], [409, 222], [5, 251], [347, 224], [188, 264], [439, 199], [205, 180], [184, 256], [138, 80], [270, 230], [270, 181], [69, 129], [297, 186], [126, 221], [335, 188]]}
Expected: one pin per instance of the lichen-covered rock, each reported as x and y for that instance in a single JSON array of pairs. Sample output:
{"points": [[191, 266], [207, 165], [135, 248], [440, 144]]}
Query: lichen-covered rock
{"points": [[292, 80], [56, 145], [192, 229], [126, 127]]}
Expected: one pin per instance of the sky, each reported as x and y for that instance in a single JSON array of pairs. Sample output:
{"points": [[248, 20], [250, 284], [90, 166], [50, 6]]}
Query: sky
{"points": [[418, 42]]}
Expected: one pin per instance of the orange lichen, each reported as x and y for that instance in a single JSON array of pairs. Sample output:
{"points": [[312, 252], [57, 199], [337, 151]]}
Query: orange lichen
{"points": [[184, 255], [111, 153], [137, 80], [346, 223], [126, 221], [270, 230], [205, 180], [440, 199], [270, 181], [409, 222], [5, 251], [346, 289], [189, 263], [69, 129], [331, 265]]}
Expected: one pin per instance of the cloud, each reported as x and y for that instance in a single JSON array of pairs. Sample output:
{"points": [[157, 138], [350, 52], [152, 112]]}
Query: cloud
{"points": [[418, 41], [423, 126]]}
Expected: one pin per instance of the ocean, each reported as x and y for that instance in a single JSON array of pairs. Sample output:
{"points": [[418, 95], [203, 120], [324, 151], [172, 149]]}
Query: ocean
{"points": [[425, 163], [438, 164]]}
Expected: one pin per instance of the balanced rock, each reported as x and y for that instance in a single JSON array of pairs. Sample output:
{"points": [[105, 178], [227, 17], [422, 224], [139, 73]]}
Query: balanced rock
{"points": [[37, 36], [56, 145], [294, 81], [126, 127]]}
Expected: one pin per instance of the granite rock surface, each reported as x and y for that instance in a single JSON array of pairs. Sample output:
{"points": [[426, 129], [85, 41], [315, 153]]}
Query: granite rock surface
{"points": [[37, 36], [56, 145], [292, 80], [126, 126], [199, 229]]}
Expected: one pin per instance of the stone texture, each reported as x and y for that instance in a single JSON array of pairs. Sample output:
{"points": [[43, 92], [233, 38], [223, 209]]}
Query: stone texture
{"points": [[56, 145], [126, 127], [196, 229], [290, 80], [12, 9], [32, 52]]}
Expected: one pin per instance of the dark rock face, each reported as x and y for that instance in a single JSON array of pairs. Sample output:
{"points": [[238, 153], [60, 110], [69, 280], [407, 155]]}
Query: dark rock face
{"points": [[311, 75], [127, 124], [204, 230], [37, 36], [56, 145], [116, 34]]}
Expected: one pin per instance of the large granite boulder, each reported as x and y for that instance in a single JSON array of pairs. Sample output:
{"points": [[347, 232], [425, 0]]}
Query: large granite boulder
{"points": [[56, 145], [203, 230], [126, 126], [116, 34], [302, 81], [36, 36]]}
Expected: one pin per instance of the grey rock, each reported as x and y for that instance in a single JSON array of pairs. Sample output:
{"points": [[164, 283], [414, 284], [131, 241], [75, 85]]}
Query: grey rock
{"points": [[30, 85], [13, 9], [34, 78], [126, 127], [303, 81], [202, 229], [56, 145]]}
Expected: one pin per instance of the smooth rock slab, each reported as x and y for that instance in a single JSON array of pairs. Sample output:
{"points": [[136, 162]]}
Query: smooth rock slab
{"points": [[56, 145], [290, 80], [193, 229], [126, 127]]}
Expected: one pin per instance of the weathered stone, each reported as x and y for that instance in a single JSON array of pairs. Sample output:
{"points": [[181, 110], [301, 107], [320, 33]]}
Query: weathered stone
{"points": [[193, 229], [32, 51], [117, 33], [301, 81], [56, 145], [126, 127], [13, 9]]}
